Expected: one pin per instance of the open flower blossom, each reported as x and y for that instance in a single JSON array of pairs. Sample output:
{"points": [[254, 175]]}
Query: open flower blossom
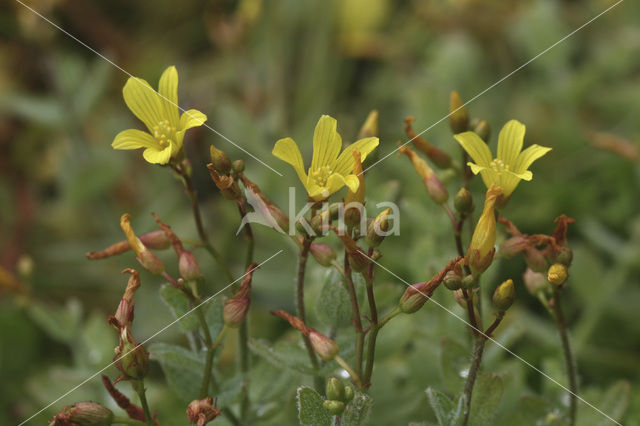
{"points": [[511, 164], [330, 170], [159, 112]]}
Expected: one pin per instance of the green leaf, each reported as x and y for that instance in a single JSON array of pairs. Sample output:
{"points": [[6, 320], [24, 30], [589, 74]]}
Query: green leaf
{"points": [[283, 355], [333, 307], [454, 363], [179, 304], [310, 409], [485, 399], [61, 323], [357, 413], [614, 402], [447, 413], [214, 315], [536, 410], [182, 368]]}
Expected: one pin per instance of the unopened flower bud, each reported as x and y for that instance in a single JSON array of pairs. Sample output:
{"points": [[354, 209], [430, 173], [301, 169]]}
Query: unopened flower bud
{"points": [[435, 187], [440, 158], [320, 222], [370, 126], [336, 408], [145, 256], [458, 115], [348, 393], [463, 201], [482, 129], [238, 166], [535, 259], [124, 313], [83, 414], [504, 295], [357, 259], [481, 249], [131, 359], [452, 281], [226, 184], [189, 266], [535, 282], [564, 256], [323, 253], [557, 274], [220, 160], [416, 295], [200, 412], [235, 309], [377, 229], [326, 348], [513, 246], [335, 389]]}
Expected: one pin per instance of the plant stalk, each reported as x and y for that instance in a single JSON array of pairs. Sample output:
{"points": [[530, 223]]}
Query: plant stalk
{"points": [[568, 357], [138, 385], [357, 321]]}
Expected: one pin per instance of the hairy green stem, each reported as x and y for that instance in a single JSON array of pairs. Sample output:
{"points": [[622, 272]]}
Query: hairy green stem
{"points": [[244, 327], [138, 386], [206, 376], [301, 312], [375, 326], [568, 357]]}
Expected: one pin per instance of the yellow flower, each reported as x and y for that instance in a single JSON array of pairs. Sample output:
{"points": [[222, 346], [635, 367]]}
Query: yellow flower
{"points": [[159, 112], [511, 164], [329, 171]]}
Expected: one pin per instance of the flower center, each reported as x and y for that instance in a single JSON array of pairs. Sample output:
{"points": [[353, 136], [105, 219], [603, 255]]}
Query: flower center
{"points": [[498, 166], [321, 175], [164, 133]]}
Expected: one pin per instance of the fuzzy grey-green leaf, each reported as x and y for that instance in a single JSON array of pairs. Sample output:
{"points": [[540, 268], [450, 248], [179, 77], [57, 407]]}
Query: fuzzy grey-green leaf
{"points": [[310, 409]]}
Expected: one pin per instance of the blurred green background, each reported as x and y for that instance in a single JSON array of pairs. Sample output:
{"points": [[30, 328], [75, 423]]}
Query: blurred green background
{"points": [[262, 71]]}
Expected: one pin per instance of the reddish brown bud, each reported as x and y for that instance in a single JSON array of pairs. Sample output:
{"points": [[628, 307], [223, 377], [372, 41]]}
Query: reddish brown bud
{"points": [[83, 414], [155, 240], [189, 266], [535, 281], [226, 184], [200, 412], [513, 246], [124, 313], [293, 320], [326, 348], [235, 309], [146, 257], [416, 295], [535, 259], [357, 259], [323, 253], [440, 158]]}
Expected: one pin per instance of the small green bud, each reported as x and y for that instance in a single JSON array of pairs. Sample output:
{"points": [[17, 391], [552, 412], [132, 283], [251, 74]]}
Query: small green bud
{"points": [[452, 281], [348, 393], [482, 129], [370, 126], [463, 201], [131, 359], [458, 114], [469, 282], [557, 274], [436, 189], [565, 256], [238, 166], [504, 295], [335, 389], [334, 407], [377, 229], [220, 160]]}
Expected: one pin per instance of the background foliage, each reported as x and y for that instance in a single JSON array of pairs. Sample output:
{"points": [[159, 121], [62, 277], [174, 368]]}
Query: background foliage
{"points": [[264, 71]]}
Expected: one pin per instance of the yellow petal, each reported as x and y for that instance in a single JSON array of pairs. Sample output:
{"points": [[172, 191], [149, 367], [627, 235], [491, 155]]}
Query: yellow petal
{"points": [[168, 89], [336, 181], [510, 141], [317, 193], [326, 143], [352, 182], [191, 118], [134, 139], [143, 101], [528, 156], [287, 150], [156, 156], [345, 162], [475, 147]]}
